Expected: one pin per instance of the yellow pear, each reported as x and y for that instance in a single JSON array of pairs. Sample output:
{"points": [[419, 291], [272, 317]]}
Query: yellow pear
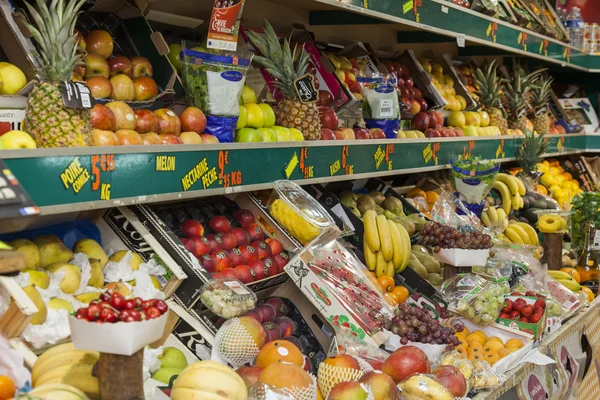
{"points": [[35, 296], [136, 260], [155, 282], [52, 250], [72, 279], [97, 278], [118, 287], [29, 250], [38, 278], [57, 304], [88, 297], [92, 249]]}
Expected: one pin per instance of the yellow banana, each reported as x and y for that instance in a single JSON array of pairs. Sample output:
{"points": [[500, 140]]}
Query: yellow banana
{"points": [[513, 235], [60, 348], [522, 189], [505, 194], [505, 223], [371, 230], [524, 236], [570, 284], [67, 358], [501, 216], [385, 238], [533, 237], [70, 375], [391, 271], [381, 267], [493, 215], [405, 246], [397, 243], [516, 201], [370, 257], [509, 181], [485, 219], [559, 275]]}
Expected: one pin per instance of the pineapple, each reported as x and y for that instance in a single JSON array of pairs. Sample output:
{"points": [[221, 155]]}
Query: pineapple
{"points": [[489, 95], [278, 60], [541, 97], [517, 93], [47, 120], [529, 155]]}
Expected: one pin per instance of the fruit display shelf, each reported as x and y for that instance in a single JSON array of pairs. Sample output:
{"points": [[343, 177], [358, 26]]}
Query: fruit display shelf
{"points": [[98, 177], [435, 20]]}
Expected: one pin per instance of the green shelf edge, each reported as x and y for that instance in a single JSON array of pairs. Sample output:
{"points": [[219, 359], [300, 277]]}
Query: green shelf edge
{"points": [[135, 179]]}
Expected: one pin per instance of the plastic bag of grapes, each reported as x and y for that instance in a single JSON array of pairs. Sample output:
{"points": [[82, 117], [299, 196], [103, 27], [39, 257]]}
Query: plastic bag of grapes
{"points": [[474, 297]]}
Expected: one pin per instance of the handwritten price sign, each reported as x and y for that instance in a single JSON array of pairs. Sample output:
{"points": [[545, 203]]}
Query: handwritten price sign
{"points": [[102, 163], [306, 169], [233, 178]]}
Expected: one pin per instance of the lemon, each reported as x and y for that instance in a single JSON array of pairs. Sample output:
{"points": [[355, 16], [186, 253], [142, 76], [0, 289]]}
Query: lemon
{"points": [[12, 77]]}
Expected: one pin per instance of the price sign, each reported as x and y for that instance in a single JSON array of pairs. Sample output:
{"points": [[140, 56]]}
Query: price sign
{"points": [[102, 163], [544, 47], [389, 150], [468, 149], [14, 201], [567, 54], [522, 40], [491, 31], [348, 168], [500, 150], [306, 169], [228, 179]]}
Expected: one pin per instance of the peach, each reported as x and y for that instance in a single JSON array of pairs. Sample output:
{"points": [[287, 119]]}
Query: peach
{"points": [[349, 391], [279, 305], [279, 351], [255, 329], [382, 385], [273, 331], [288, 327], [267, 311], [285, 376]]}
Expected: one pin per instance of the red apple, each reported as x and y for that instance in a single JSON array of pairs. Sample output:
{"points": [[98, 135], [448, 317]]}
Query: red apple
{"points": [[329, 118], [262, 247], [99, 42], [327, 134], [458, 132], [406, 361], [245, 274], [102, 118], [124, 116], [193, 120], [404, 71], [229, 240], [405, 93], [96, 66], [325, 98], [104, 138], [401, 83], [209, 139], [122, 88], [281, 259], [362, 133], [119, 65], [190, 138], [432, 133], [423, 104], [145, 121], [141, 67], [99, 86], [128, 137], [222, 258], [219, 224], [215, 243], [244, 217], [168, 121], [420, 121], [447, 132], [275, 245], [417, 92], [452, 379], [415, 107], [145, 88], [435, 119], [242, 236], [249, 253], [202, 245], [228, 273], [271, 266], [150, 138], [190, 245], [409, 83], [192, 228], [167, 138], [377, 133]]}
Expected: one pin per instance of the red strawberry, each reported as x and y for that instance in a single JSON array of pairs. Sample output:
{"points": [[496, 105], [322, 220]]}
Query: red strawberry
{"points": [[519, 304], [524, 319], [504, 315]]}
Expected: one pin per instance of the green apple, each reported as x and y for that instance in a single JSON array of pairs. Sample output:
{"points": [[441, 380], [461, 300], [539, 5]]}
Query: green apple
{"points": [[268, 115], [268, 134], [248, 135], [255, 117], [470, 131], [456, 118], [296, 134], [17, 140], [248, 95], [283, 134], [243, 118], [172, 357], [164, 374], [174, 50]]}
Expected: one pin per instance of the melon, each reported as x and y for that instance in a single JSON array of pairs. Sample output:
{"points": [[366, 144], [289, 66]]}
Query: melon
{"points": [[209, 380]]}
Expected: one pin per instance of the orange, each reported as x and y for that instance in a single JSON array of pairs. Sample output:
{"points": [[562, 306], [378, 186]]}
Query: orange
{"points": [[477, 336], [279, 351], [285, 376], [491, 358], [402, 293], [513, 344], [573, 272], [588, 292], [7, 388], [504, 352], [387, 283], [432, 197], [391, 299]]}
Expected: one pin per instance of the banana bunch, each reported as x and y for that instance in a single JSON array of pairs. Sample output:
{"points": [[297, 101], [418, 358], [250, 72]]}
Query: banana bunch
{"points": [[566, 280], [66, 365], [521, 233], [495, 219], [511, 190], [386, 244], [294, 223]]}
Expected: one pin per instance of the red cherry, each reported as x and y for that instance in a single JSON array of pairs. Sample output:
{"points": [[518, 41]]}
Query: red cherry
{"points": [[108, 315], [136, 315], [105, 296], [129, 304], [117, 301], [138, 302], [93, 312], [147, 303], [81, 313], [152, 312], [161, 305]]}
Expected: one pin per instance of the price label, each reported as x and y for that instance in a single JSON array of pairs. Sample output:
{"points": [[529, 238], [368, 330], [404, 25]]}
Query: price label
{"points": [[14, 201], [500, 150], [389, 150], [407, 6], [522, 40], [379, 157], [227, 179], [430, 153], [567, 54], [305, 87], [76, 95], [348, 168], [468, 149], [102, 163], [306, 169], [544, 47], [460, 40], [596, 244]]}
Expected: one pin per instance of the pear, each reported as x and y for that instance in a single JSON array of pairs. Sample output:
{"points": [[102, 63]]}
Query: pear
{"points": [[365, 204], [377, 196], [86, 298], [56, 304], [38, 278], [136, 260], [155, 282], [72, 279], [97, 278], [35, 296], [164, 374], [29, 250], [52, 250], [92, 249], [394, 205], [172, 357]]}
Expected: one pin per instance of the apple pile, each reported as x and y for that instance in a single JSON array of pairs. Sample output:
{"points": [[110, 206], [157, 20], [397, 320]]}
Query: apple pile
{"points": [[331, 131], [114, 307], [346, 71], [409, 94], [117, 124], [240, 252], [519, 310], [431, 123]]}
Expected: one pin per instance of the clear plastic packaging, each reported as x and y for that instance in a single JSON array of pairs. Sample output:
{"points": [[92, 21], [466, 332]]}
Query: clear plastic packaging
{"points": [[227, 297], [472, 178], [554, 221], [381, 108], [422, 386], [475, 298], [297, 211]]}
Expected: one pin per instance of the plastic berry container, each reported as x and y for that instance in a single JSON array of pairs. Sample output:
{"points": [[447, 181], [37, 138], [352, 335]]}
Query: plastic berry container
{"points": [[297, 212], [554, 221], [227, 297]]}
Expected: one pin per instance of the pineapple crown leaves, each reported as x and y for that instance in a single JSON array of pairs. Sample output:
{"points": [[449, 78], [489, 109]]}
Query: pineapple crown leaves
{"points": [[54, 33], [529, 155], [518, 89], [541, 95], [489, 84], [278, 59]]}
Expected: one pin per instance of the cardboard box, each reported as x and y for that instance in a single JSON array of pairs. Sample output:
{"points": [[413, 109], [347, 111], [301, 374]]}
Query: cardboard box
{"points": [[536, 329], [448, 66]]}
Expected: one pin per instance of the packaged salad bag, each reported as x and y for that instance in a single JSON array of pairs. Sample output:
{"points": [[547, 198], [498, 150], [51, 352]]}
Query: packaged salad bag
{"points": [[381, 108]]}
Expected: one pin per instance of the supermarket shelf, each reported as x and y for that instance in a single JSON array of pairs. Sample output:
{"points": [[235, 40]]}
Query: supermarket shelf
{"points": [[440, 17], [65, 179]]}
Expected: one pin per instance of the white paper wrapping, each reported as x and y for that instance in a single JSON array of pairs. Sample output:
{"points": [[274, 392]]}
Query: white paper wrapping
{"points": [[150, 362], [53, 330], [83, 262], [434, 351], [121, 272], [12, 364]]}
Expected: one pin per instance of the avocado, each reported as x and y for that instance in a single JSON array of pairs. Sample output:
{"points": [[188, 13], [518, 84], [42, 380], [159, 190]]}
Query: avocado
{"points": [[540, 204]]}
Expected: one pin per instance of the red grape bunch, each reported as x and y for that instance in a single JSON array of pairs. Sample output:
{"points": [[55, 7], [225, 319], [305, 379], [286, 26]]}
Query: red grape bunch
{"points": [[416, 325], [441, 236]]}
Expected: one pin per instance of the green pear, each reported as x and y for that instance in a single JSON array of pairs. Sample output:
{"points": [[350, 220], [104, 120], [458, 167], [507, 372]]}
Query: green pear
{"points": [[136, 260], [86, 298], [35, 296], [72, 279], [56, 304], [38, 278], [52, 250], [29, 250], [172, 357], [97, 278], [164, 374], [92, 249]]}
